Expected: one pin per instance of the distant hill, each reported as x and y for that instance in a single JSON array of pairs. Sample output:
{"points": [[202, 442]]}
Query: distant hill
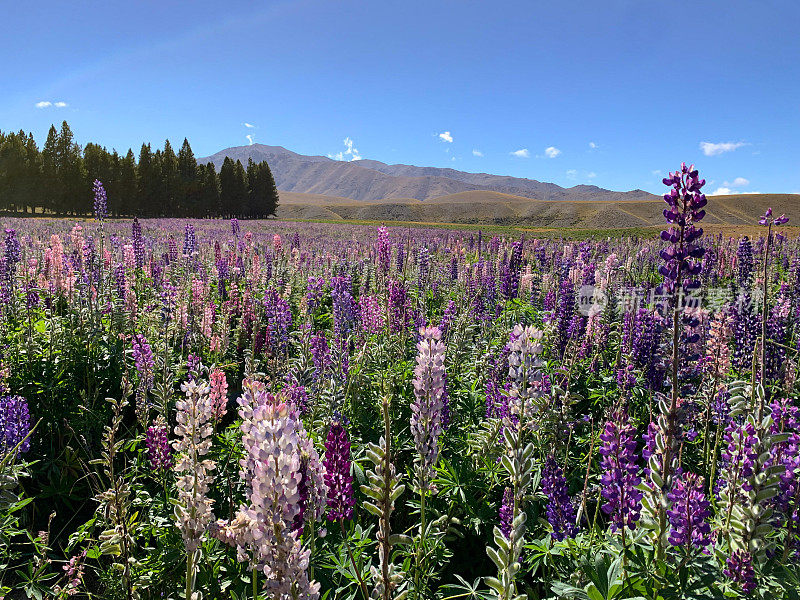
{"points": [[371, 180], [317, 187], [495, 208]]}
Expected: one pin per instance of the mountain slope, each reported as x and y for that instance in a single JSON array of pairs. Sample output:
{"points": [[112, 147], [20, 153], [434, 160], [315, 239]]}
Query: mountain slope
{"points": [[495, 208], [370, 180]]}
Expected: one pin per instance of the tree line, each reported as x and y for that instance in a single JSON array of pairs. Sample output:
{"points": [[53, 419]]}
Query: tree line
{"points": [[58, 179]]}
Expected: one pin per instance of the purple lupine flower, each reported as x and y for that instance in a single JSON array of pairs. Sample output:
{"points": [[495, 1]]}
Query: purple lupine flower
{"points": [[13, 251], [744, 263], [344, 306], [507, 512], [383, 249], [298, 396], [100, 201], [620, 473], [424, 266], [739, 568], [138, 243], [448, 315], [321, 355], [689, 513], [338, 479], [189, 241], [15, 424], [560, 510], [278, 316], [509, 276], [156, 441], [399, 307], [426, 410], [786, 420], [454, 268], [314, 292], [768, 220], [682, 256], [235, 229], [193, 367], [142, 355], [564, 313], [400, 257]]}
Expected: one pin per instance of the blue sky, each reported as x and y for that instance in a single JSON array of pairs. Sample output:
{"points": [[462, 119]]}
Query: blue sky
{"points": [[612, 93]]}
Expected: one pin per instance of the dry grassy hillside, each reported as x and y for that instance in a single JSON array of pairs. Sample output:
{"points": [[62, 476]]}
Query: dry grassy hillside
{"points": [[496, 208]]}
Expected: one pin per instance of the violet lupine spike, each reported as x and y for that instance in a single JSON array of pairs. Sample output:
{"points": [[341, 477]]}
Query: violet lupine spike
{"points": [[320, 355], [189, 241], [156, 441], [142, 355], [426, 410], [620, 476], [683, 254], [560, 511], [338, 480], [100, 201], [507, 512], [739, 568], [15, 424], [138, 242], [689, 513], [383, 249]]}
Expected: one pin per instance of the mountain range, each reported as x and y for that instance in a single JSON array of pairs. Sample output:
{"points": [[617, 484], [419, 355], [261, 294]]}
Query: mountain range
{"points": [[372, 180], [320, 188]]}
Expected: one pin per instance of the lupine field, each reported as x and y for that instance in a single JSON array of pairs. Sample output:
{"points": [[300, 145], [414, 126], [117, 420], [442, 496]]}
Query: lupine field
{"points": [[277, 410]]}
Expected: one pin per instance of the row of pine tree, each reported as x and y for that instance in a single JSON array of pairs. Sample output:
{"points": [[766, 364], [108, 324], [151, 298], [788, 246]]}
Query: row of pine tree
{"points": [[57, 180]]}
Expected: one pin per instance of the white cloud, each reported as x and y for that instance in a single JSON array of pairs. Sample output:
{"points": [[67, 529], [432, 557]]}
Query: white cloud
{"points": [[350, 154], [48, 104], [552, 152], [521, 153], [722, 191], [591, 175], [711, 149], [592, 145], [656, 172], [477, 153], [446, 137], [572, 173], [250, 139], [249, 126], [739, 182]]}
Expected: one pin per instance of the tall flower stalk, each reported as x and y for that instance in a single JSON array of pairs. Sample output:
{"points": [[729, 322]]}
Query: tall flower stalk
{"points": [[518, 460], [284, 478], [682, 264], [193, 507]]}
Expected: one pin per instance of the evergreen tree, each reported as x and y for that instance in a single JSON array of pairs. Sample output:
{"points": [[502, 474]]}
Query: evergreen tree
{"points": [[52, 183], [209, 204], [240, 196], [71, 172], [170, 178], [189, 180], [128, 199], [148, 184], [13, 167], [263, 193], [58, 180], [227, 184]]}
